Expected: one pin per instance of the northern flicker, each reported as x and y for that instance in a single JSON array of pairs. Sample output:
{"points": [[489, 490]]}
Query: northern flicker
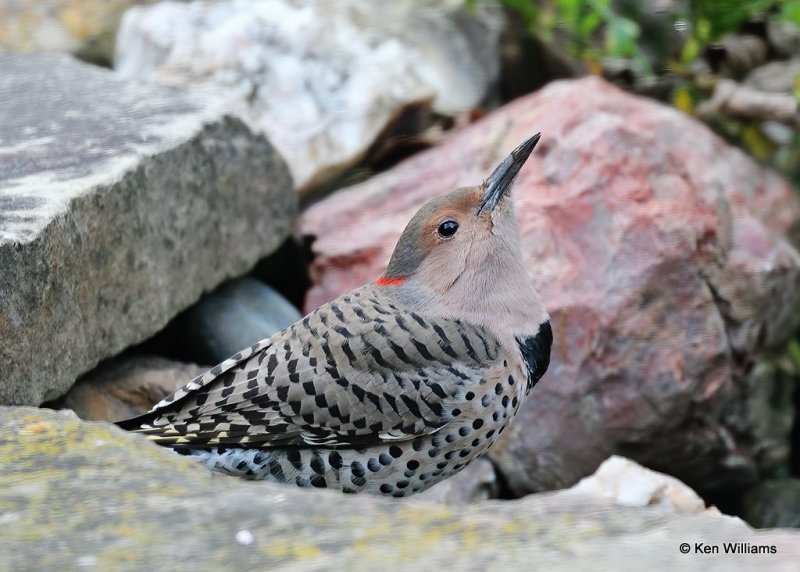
{"points": [[395, 386]]}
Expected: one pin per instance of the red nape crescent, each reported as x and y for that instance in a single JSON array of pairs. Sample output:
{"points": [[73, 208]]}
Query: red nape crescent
{"points": [[384, 281]]}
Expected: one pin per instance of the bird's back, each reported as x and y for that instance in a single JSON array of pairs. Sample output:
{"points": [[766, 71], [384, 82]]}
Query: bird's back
{"points": [[360, 383]]}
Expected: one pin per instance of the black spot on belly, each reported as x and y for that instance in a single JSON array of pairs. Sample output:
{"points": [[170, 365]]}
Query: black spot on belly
{"points": [[357, 470], [536, 352], [276, 470], [317, 465], [335, 460]]}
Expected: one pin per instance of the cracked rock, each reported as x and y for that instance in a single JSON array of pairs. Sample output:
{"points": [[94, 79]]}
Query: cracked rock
{"points": [[79, 495], [120, 204]]}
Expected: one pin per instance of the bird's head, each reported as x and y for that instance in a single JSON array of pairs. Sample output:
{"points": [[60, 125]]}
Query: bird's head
{"points": [[461, 255]]}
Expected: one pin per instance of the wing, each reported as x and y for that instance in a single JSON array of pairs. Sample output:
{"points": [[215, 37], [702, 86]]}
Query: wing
{"points": [[356, 372]]}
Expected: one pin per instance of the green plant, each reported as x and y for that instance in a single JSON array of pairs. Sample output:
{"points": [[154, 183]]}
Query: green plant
{"points": [[589, 29], [593, 30]]}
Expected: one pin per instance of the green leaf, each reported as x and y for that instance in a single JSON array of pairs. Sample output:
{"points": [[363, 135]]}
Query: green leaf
{"points": [[525, 8], [756, 143], [682, 99], [691, 49], [726, 15], [588, 25], [621, 37], [791, 12], [794, 352]]}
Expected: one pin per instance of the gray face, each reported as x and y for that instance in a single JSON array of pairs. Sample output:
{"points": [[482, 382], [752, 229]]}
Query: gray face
{"points": [[470, 210], [421, 236]]}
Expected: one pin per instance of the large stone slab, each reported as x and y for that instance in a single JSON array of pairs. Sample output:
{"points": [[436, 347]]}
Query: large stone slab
{"points": [[120, 204], [664, 256], [80, 495]]}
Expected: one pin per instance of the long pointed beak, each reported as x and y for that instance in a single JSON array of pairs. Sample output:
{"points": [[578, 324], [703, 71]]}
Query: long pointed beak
{"points": [[499, 182]]}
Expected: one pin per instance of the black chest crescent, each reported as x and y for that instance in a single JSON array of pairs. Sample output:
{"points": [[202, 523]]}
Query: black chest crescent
{"points": [[536, 353]]}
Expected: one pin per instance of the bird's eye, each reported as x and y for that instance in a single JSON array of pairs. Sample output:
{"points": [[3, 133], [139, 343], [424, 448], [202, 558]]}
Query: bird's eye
{"points": [[447, 229]]}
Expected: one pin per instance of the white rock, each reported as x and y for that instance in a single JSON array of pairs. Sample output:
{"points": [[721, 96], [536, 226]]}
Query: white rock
{"points": [[322, 79], [627, 483]]}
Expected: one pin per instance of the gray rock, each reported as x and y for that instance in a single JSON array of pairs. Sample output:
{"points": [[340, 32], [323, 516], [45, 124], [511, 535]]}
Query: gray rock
{"points": [[127, 386], [743, 101], [324, 80], [232, 317], [783, 36], [120, 204], [774, 77], [80, 495], [773, 503]]}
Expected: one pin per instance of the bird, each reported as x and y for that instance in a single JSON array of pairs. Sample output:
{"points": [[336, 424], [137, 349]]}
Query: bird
{"points": [[394, 386]]}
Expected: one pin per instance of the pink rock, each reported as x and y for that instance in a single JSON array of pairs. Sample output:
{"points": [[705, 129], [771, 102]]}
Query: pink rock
{"points": [[661, 253]]}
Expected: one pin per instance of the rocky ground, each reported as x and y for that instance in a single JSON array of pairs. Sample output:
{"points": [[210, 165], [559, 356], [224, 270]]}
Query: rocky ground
{"points": [[149, 228], [85, 495]]}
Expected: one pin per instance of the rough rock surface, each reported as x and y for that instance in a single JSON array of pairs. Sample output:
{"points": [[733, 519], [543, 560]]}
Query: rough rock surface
{"points": [[79, 495], [120, 204], [322, 79], [231, 318], [127, 386], [86, 28], [660, 252], [773, 503], [774, 77]]}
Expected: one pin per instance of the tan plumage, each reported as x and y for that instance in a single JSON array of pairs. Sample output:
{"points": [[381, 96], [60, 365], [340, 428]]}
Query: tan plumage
{"points": [[393, 386]]}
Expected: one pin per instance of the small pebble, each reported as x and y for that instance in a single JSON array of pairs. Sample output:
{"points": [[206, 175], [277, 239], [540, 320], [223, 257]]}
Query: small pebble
{"points": [[245, 537]]}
